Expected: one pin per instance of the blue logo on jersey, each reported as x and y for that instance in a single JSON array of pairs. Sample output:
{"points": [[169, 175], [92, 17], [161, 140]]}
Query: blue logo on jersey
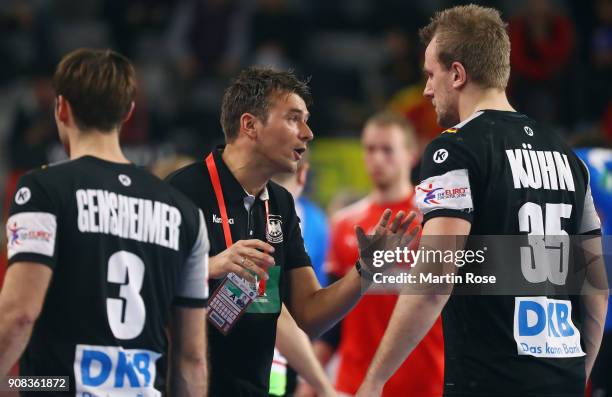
{"points": [[543, 327], [126, 369], [109, 369], [545, 317]]}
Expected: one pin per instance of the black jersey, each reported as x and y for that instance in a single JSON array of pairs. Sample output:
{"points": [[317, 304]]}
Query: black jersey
{"points": [[124, 247], [242, 359], [509, 175]]}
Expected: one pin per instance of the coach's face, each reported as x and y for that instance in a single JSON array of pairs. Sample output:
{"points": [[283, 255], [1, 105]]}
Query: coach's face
{"points": [[439, 88], [283, 138]]}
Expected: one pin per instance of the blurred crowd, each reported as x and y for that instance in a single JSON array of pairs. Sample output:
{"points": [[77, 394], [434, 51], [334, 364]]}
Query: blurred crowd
{"points": [[362, 56]]}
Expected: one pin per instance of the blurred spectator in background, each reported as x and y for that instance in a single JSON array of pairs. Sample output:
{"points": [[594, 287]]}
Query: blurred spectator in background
{"points": [[411, 103], [600, 77], [276, 34], [542, 40], [389, 148], [206, 43], [33, 129]]}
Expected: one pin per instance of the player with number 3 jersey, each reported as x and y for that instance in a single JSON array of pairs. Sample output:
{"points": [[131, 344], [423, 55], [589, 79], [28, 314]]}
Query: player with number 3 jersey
{"points": [[103, 256]]}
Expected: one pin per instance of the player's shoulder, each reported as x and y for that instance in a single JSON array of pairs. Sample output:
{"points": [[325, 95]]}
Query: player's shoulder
{"points": [[190, 173], [191, 180], [50, 176], [469, 128]]}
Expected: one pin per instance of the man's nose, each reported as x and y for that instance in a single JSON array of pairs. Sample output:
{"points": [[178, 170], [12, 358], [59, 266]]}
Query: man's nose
{"points": [[306, 134]]}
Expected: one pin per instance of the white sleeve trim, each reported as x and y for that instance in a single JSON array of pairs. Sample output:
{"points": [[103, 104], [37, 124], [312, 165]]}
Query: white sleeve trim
{"points": [[193, 282], [590, 220], [31, 233]]}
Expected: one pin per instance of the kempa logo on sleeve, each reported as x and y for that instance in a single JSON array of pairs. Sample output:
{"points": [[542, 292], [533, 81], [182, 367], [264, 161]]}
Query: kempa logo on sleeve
{"points": [[23, 195], [440, 156]]}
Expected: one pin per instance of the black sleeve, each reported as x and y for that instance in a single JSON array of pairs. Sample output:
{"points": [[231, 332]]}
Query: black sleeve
{"points": [[296, 255], [449, 169], [32, 224]]}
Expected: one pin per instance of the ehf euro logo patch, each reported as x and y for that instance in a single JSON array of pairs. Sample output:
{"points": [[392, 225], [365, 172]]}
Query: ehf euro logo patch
{"points": [[274, 231]]}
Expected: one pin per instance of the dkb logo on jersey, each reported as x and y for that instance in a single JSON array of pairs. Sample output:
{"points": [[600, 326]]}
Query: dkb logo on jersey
{"points": [[543, 328], [114, 371]]}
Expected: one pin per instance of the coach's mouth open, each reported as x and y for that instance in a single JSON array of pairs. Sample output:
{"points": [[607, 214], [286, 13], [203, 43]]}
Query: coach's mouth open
{"points": [[299, 152]]}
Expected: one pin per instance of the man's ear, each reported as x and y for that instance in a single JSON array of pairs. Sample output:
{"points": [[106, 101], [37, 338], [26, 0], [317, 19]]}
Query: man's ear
{"points": [[248, 125], [459, 75], [63, 112], [130, 112]]}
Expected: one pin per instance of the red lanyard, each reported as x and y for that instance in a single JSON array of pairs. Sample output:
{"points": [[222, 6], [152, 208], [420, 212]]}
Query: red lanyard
{"points": [[214, 178], [216, 182]]}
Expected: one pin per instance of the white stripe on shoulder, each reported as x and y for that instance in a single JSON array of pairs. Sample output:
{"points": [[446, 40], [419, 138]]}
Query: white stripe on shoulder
{"points": [[472, 117]]}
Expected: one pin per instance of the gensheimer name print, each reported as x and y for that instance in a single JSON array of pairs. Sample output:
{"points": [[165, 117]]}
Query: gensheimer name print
{"points": [[102, 211]]}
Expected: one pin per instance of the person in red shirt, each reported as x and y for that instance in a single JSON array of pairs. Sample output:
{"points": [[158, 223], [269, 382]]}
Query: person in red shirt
{"points": [[389, 151]]}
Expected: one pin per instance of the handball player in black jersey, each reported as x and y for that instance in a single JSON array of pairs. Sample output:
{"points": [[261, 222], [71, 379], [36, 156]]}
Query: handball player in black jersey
{"points": [[103, 257], [495, 171]]}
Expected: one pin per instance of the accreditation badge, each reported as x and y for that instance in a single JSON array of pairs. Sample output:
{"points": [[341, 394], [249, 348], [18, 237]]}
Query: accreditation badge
{"points": [[229, 302]]}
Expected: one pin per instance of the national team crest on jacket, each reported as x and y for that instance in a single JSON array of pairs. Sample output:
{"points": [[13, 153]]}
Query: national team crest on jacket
{"points": [[274, 232]]}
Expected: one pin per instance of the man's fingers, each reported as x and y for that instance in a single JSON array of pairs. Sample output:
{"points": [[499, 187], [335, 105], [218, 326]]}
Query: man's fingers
{"points": [[407, 239], [261, 259], [261, 273], [397, 221], [257, 244], [243, 273], [405, 225], [384, 219], [362, 239], [411, 217]]}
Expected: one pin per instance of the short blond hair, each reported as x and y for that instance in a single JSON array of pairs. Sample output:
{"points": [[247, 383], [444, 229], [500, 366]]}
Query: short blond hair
{"points": [[476, 37], [389, 118]]}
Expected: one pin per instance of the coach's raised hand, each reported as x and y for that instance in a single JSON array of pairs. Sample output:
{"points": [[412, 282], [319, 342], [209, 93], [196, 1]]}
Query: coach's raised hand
{"points": [[387, 237], [246, 258]]}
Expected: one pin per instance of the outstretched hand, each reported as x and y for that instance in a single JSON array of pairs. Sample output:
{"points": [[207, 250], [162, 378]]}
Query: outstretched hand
{"points": [[387, 237]]}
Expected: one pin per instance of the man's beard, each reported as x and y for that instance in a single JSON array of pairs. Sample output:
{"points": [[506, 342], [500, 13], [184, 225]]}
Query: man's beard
{"points": [[447, 119]]}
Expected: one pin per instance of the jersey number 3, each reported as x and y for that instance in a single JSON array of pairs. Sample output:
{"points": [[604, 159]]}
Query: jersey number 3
{"points": [[126, 314], [547, 255]]}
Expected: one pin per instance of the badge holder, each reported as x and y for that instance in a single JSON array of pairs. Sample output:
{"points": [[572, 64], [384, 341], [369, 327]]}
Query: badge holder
{"points": [[229, 302], [231, 299]]}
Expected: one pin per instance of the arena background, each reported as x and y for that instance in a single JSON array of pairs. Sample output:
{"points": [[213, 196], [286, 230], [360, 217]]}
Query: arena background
{"points": [[361, 56]]}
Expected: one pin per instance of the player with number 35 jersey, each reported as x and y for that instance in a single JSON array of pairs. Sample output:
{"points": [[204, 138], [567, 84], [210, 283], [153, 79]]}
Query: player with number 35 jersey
{"points": [[496, 172]]}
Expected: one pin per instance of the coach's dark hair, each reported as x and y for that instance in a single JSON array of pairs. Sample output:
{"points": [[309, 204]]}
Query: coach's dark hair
{"points": [[253, 91], [99, 85]]}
